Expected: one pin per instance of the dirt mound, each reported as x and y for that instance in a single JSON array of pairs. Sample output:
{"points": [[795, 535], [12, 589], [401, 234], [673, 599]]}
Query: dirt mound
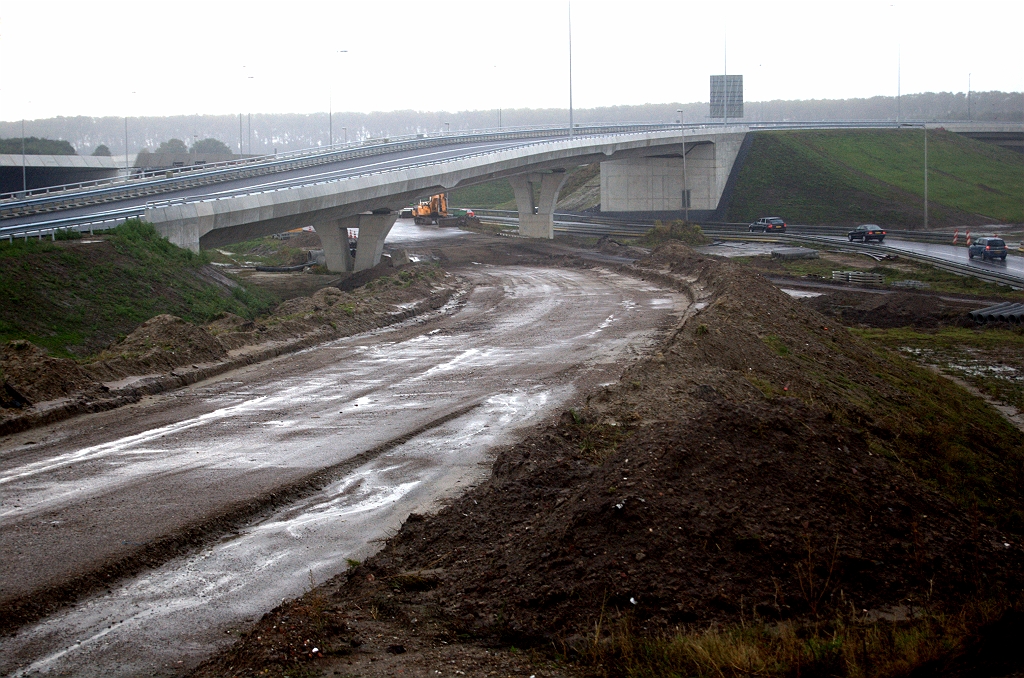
{"points": [[29, 375], [900, 309], [158, 345], [767, 510]]}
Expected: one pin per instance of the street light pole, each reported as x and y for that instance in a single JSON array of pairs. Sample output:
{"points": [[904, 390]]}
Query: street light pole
{"points": [[330, 103], [686, 196], [24, 175], [571, 128], [925, 127]]}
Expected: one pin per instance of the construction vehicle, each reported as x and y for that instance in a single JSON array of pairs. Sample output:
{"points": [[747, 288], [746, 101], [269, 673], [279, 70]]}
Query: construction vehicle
{"points": [[434, 210]]}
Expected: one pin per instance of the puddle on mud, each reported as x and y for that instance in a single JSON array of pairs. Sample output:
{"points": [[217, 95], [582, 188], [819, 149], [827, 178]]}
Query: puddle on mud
{"points": [[253, 569], [800, 294], [971, 367]]}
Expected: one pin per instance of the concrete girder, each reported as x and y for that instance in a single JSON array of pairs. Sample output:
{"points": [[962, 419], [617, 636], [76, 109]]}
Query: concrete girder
{"points": [[536, 219]]}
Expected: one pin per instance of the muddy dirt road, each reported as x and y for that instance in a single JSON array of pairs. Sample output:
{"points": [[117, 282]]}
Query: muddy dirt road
{"points": [[227, 497]]}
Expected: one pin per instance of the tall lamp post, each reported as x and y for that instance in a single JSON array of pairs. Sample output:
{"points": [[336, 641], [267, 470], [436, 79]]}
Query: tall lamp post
{"points": [[924, 126], [330, 104], [127, 171], [571, 128], [24, 174], [686, 195]]}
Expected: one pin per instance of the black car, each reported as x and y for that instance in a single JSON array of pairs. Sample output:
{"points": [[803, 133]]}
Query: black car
{"points": [[768, 225], [987, 248], [866, 232]]}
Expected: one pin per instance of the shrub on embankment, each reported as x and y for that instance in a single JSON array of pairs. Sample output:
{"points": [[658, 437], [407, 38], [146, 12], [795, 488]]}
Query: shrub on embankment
{"points": [[877, 176], [75, 297]]}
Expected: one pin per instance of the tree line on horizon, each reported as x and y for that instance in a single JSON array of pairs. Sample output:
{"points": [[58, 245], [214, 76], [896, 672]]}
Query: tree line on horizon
{"points": [[261, 133]]}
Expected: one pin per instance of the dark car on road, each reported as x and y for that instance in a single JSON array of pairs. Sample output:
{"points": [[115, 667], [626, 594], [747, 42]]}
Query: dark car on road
{"points": [[866, 232], [987, 248], [768, 225]]}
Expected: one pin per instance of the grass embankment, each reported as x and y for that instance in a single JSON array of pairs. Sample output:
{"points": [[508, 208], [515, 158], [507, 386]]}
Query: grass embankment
{"points": [[76, 297], [847, 177], [267, 251], [498, 195], [990, 359]]}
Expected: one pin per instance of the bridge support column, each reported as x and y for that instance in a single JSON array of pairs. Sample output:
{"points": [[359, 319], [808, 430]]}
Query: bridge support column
{"points": [[536, 217], [373, 229]]}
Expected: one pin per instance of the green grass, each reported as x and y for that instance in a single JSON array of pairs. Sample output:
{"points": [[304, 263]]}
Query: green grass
{"points": [[485, 196], [267, 251], [498, 195], [75, 299], [954, 442], [678, 230], [843, 646], [845, 177], [990, 359]]}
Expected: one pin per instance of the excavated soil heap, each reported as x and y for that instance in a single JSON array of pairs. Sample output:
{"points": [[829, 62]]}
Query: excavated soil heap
{"points": [[158, 345], [753, 466], [29, 375], [901, 309]]}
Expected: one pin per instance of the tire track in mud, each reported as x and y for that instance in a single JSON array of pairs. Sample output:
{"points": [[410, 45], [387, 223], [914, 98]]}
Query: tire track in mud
{"points": [[30, 608]]}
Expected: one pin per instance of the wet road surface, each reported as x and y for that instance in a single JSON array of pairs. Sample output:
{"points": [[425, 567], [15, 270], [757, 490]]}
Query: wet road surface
{"points": [[384, 423], [1014, 264]]}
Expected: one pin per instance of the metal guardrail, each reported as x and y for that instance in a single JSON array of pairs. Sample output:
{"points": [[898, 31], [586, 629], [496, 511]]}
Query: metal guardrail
{"points": [[50, 227]]}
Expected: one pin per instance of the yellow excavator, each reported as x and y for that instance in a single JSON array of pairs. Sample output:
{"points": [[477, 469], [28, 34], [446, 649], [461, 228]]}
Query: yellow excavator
{"points": [[434, 210]]}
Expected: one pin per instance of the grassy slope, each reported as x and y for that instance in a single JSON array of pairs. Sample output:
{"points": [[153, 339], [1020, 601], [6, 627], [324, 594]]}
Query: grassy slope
{"points": [[498, 194], [74, 299], [487, 196], [863, 176]]}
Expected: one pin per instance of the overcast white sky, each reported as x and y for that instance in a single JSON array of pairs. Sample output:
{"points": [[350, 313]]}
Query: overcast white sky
{"points": [[165, 57]]}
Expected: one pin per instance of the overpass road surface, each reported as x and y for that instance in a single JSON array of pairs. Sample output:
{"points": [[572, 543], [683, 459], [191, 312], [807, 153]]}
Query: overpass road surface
{"points": [[391, 421], [335, 170]]}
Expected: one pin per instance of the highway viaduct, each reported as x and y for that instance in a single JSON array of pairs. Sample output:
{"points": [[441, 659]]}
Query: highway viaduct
{"points": [[642, 170]]}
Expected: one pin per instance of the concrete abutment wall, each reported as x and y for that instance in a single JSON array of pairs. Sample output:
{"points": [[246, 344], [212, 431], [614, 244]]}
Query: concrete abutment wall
{"points": [[656, 183]]}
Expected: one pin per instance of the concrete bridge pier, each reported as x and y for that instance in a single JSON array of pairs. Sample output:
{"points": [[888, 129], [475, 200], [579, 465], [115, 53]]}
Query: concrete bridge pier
{"points": [[536, 216], [373, 229]]}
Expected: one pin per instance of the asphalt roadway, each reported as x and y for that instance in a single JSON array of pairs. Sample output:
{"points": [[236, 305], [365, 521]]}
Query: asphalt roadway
{"points": [[394, 421], [1014, 264]]}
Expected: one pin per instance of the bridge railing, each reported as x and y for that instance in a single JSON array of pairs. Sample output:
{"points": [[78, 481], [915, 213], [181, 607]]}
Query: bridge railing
{"points": [[106, 219], [172, 178]]}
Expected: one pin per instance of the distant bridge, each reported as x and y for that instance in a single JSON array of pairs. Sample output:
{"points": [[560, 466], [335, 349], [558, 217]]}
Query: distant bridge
{"points": [[363, 187]]}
